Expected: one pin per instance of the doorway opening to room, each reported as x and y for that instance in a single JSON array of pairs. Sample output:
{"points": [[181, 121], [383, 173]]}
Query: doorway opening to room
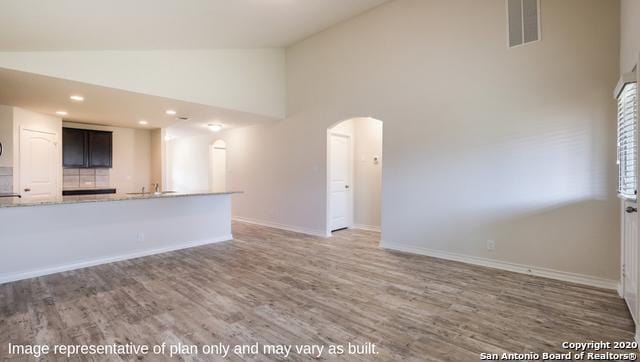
{"points": [[218, 166], [354, 174]]}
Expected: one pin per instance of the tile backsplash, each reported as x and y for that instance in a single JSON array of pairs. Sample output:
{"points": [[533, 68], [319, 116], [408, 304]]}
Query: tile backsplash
{"points": [[6, 180], [85, 178]]}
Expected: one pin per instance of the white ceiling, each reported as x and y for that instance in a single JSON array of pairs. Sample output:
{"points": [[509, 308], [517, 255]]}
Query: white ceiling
{"points": [[108, 106], [167, 24]]}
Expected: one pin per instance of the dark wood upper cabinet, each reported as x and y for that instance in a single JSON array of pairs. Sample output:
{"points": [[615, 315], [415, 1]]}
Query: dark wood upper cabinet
{"points": [[74, 148], [86, 148], [100, 153]]}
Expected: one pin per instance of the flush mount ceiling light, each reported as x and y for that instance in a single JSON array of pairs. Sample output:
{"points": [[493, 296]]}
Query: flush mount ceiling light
{"points": [[77, 98], [170, 112], [215, 127], [61, 113], [143, 122]]}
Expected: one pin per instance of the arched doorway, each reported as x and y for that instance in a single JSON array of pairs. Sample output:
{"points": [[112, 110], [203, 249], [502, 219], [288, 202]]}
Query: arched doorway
{"points": [[354, 174], [218, 166]]}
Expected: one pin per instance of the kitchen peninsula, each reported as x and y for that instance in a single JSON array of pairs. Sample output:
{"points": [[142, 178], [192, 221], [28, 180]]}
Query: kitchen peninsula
{"points": [[40, 237]]}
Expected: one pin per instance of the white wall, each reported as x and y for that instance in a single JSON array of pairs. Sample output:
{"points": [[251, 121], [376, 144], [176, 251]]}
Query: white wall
{"points": [[630, 34], [23, 118], [249, 80], [131, 157], [481, 142]]}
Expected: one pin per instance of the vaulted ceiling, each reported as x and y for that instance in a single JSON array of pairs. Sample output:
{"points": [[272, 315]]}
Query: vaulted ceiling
{"points": [[167, 24]]}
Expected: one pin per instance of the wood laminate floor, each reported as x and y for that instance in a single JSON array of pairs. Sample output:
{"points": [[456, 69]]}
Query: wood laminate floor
{"points": [[277, 287]]}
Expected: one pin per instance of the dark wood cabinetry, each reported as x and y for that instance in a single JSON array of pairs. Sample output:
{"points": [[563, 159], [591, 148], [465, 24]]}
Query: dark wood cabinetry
{"points": [[74, 148], [87, 148], [100, 153]]}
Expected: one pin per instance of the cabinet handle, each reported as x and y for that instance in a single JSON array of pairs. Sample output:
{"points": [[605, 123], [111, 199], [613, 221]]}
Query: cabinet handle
{"points": [[631, 210], [27, 190]]}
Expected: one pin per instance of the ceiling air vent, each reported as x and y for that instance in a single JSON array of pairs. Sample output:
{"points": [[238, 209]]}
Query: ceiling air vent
{"points": [[524, 21]]}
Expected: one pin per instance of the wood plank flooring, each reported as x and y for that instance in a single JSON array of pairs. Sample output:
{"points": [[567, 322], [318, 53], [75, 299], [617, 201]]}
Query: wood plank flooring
{"points": [[277, 287]]}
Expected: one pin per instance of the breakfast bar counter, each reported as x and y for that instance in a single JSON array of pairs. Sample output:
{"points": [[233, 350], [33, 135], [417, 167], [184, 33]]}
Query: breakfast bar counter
{"points": [[17, 202], [46, 236]]}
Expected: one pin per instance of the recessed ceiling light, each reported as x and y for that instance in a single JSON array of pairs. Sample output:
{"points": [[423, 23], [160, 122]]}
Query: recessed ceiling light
{"points": [[143, 122], [170, 112], [215, 127], [77, 98], [61, 113]]}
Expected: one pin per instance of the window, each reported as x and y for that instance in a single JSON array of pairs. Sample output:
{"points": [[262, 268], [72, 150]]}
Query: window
{"points": [[627, 140], [523, 19]]}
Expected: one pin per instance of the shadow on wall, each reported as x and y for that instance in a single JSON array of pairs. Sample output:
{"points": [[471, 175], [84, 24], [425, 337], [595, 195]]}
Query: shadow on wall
{"points": [[530, 192]]}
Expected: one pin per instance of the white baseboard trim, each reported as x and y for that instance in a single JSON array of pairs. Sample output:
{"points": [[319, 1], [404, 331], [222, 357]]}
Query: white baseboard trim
{"points": [[620, 291], [366, 227], [275, 225], [7, 278], [505, 265]]}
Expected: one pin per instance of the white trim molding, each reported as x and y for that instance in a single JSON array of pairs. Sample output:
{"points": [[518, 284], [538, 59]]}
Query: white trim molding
{"points": [[275, 225], [7, 278], [367, 227], [505, 265]]}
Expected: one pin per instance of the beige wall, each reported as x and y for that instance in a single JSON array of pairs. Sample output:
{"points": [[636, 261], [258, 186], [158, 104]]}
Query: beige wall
{"points": [[155, 172], [249, 80], [187, 164], [131, 157], [481, 142], [630, 34], [367, 173], [6, 136]]}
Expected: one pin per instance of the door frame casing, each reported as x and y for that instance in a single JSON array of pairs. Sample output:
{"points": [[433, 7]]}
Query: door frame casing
{"points": [[18, 187], [350, 216]]}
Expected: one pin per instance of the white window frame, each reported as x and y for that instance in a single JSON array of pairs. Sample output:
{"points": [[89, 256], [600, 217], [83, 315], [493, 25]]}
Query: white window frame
{"points": [[626, 94]]}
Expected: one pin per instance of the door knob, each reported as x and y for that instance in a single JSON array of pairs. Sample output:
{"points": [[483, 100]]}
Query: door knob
{"points": [[346, 186], [631, 210]]}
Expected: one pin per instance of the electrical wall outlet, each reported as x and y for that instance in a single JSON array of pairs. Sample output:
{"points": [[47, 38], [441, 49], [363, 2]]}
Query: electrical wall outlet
{"points": [[491, 245]]}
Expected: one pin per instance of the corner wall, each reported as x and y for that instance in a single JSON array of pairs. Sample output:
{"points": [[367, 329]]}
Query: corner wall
{"points": [[630, 34], [481, 142]]}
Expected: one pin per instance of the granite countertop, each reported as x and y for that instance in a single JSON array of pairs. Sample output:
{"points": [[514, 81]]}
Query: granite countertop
{"points": [[16, 202]]}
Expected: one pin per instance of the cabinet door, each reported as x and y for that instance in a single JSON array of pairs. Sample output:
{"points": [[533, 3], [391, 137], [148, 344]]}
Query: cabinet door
{"points": [[100, 153], [74, 148]]}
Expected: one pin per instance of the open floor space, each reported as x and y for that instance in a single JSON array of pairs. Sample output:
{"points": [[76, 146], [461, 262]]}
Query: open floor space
{"points": [[298, 180], [278, 287]]}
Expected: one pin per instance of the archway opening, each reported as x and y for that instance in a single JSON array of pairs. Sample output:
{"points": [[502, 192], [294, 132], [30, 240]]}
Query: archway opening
{"points": [[354, 175]]}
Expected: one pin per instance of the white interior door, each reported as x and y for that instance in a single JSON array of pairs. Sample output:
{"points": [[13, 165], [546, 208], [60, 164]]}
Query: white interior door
{"points": [[340, 181], [630, 257], [39, 166], [217, 168]]}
